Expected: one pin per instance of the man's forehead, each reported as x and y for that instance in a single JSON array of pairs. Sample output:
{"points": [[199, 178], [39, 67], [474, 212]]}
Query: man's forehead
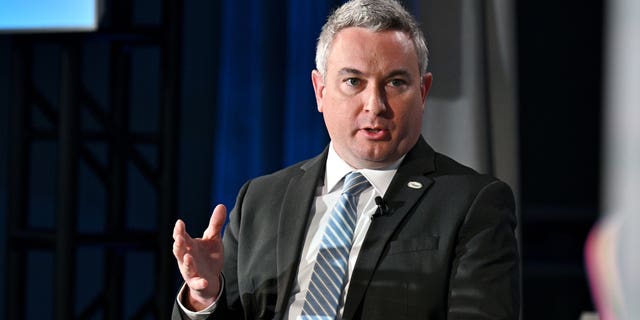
{"points": [[361, 51], [363, 43]]}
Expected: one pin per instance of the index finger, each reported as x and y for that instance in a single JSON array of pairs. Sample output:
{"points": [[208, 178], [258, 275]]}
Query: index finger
{"points": [[216, 222]]}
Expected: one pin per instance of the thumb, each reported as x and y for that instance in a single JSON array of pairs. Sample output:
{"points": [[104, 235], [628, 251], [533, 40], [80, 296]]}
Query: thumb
{"points": [[216, 222]]}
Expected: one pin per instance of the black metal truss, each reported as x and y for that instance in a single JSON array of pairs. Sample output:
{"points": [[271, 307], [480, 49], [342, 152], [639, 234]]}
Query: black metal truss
{"points": [[66, 131]]}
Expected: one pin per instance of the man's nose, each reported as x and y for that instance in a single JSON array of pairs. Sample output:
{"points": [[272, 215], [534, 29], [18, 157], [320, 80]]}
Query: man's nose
{"points": [[375, 101]]}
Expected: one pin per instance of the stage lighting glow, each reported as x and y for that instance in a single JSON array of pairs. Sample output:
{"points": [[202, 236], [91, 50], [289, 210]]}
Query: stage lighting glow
{"points": [[48, 15]]}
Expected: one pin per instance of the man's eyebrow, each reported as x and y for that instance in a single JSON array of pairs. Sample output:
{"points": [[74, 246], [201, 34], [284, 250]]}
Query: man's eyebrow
{"points": [[394, 73], [399, 72], [344, 71]]}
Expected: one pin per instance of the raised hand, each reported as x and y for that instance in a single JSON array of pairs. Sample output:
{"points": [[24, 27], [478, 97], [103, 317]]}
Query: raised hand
{"points": [[200, 260]]}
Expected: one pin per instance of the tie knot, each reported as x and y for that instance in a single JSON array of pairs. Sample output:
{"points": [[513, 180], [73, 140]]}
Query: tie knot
{"points": [[354, 183]]}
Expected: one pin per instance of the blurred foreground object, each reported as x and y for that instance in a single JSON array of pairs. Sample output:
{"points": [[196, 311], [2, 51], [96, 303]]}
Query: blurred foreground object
{"points": [[611, 252]]}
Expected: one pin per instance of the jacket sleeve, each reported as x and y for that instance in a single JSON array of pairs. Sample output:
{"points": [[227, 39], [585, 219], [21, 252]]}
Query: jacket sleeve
{"points": [[485, 278]]}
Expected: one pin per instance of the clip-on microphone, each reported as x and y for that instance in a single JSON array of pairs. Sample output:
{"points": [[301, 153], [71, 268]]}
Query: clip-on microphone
{"points": [[382, 208]]}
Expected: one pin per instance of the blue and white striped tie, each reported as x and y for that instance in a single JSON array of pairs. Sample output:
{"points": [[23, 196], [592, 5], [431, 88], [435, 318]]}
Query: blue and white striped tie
{"points": [[330, 270]]}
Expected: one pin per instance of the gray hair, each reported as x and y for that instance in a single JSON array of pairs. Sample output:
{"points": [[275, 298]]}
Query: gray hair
{"points": [[375, 15]]}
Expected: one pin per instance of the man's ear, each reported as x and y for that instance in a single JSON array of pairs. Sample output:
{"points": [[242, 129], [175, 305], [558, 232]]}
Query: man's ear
{"points": [[318, 87], [425, 86]]}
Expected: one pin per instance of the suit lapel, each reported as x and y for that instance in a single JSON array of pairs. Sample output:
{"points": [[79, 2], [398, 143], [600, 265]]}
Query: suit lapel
{"points": [[407, 187], [292, 225]]}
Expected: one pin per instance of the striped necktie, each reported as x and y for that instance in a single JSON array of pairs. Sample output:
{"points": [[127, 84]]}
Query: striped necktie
{"points": [[330, 269]]}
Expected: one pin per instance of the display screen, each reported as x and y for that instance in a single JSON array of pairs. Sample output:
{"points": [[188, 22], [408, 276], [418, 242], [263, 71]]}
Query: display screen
{"points": [[48, 15]]}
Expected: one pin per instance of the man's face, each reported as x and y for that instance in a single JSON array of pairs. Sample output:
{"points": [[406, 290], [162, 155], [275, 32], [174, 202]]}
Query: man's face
{"points": [[372, 96]]}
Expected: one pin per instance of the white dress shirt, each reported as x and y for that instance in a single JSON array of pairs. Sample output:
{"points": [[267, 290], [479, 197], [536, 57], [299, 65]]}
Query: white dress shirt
{"points": [[326, 196]]}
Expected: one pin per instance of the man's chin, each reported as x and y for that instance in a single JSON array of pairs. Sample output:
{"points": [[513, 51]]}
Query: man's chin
{"points": [[376, 160]]}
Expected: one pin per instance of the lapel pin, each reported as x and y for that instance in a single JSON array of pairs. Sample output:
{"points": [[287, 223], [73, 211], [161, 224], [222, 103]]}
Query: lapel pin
{"points": [[414, 185]]}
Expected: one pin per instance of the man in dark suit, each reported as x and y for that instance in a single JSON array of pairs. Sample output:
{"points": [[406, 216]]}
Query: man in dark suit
{"points": [[433, 239]]}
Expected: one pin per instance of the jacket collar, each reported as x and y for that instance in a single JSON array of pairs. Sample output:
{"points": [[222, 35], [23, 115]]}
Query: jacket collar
{"points": [[407, 187], [292, 228]]}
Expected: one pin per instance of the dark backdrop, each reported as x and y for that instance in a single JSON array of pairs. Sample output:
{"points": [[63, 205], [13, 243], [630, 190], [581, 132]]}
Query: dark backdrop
{"points": [[560, 88]]}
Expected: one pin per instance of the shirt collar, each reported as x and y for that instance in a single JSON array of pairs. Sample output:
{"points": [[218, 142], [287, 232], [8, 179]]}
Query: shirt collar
{"points": [[338, 168]]}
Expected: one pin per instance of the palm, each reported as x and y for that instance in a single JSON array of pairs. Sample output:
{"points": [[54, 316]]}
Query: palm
{"points": [[207, 255]]}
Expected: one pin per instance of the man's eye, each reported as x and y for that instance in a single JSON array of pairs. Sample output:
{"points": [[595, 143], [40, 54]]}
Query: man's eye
{"points": [[354, 82], [397, 82]]}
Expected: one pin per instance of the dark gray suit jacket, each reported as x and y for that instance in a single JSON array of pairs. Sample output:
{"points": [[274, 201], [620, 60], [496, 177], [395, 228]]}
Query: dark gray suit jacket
{"points": [[445, 250]]}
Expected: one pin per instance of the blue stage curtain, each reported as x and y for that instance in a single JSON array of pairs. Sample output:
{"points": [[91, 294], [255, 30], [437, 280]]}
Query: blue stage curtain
{"points": [[266, 115]]}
